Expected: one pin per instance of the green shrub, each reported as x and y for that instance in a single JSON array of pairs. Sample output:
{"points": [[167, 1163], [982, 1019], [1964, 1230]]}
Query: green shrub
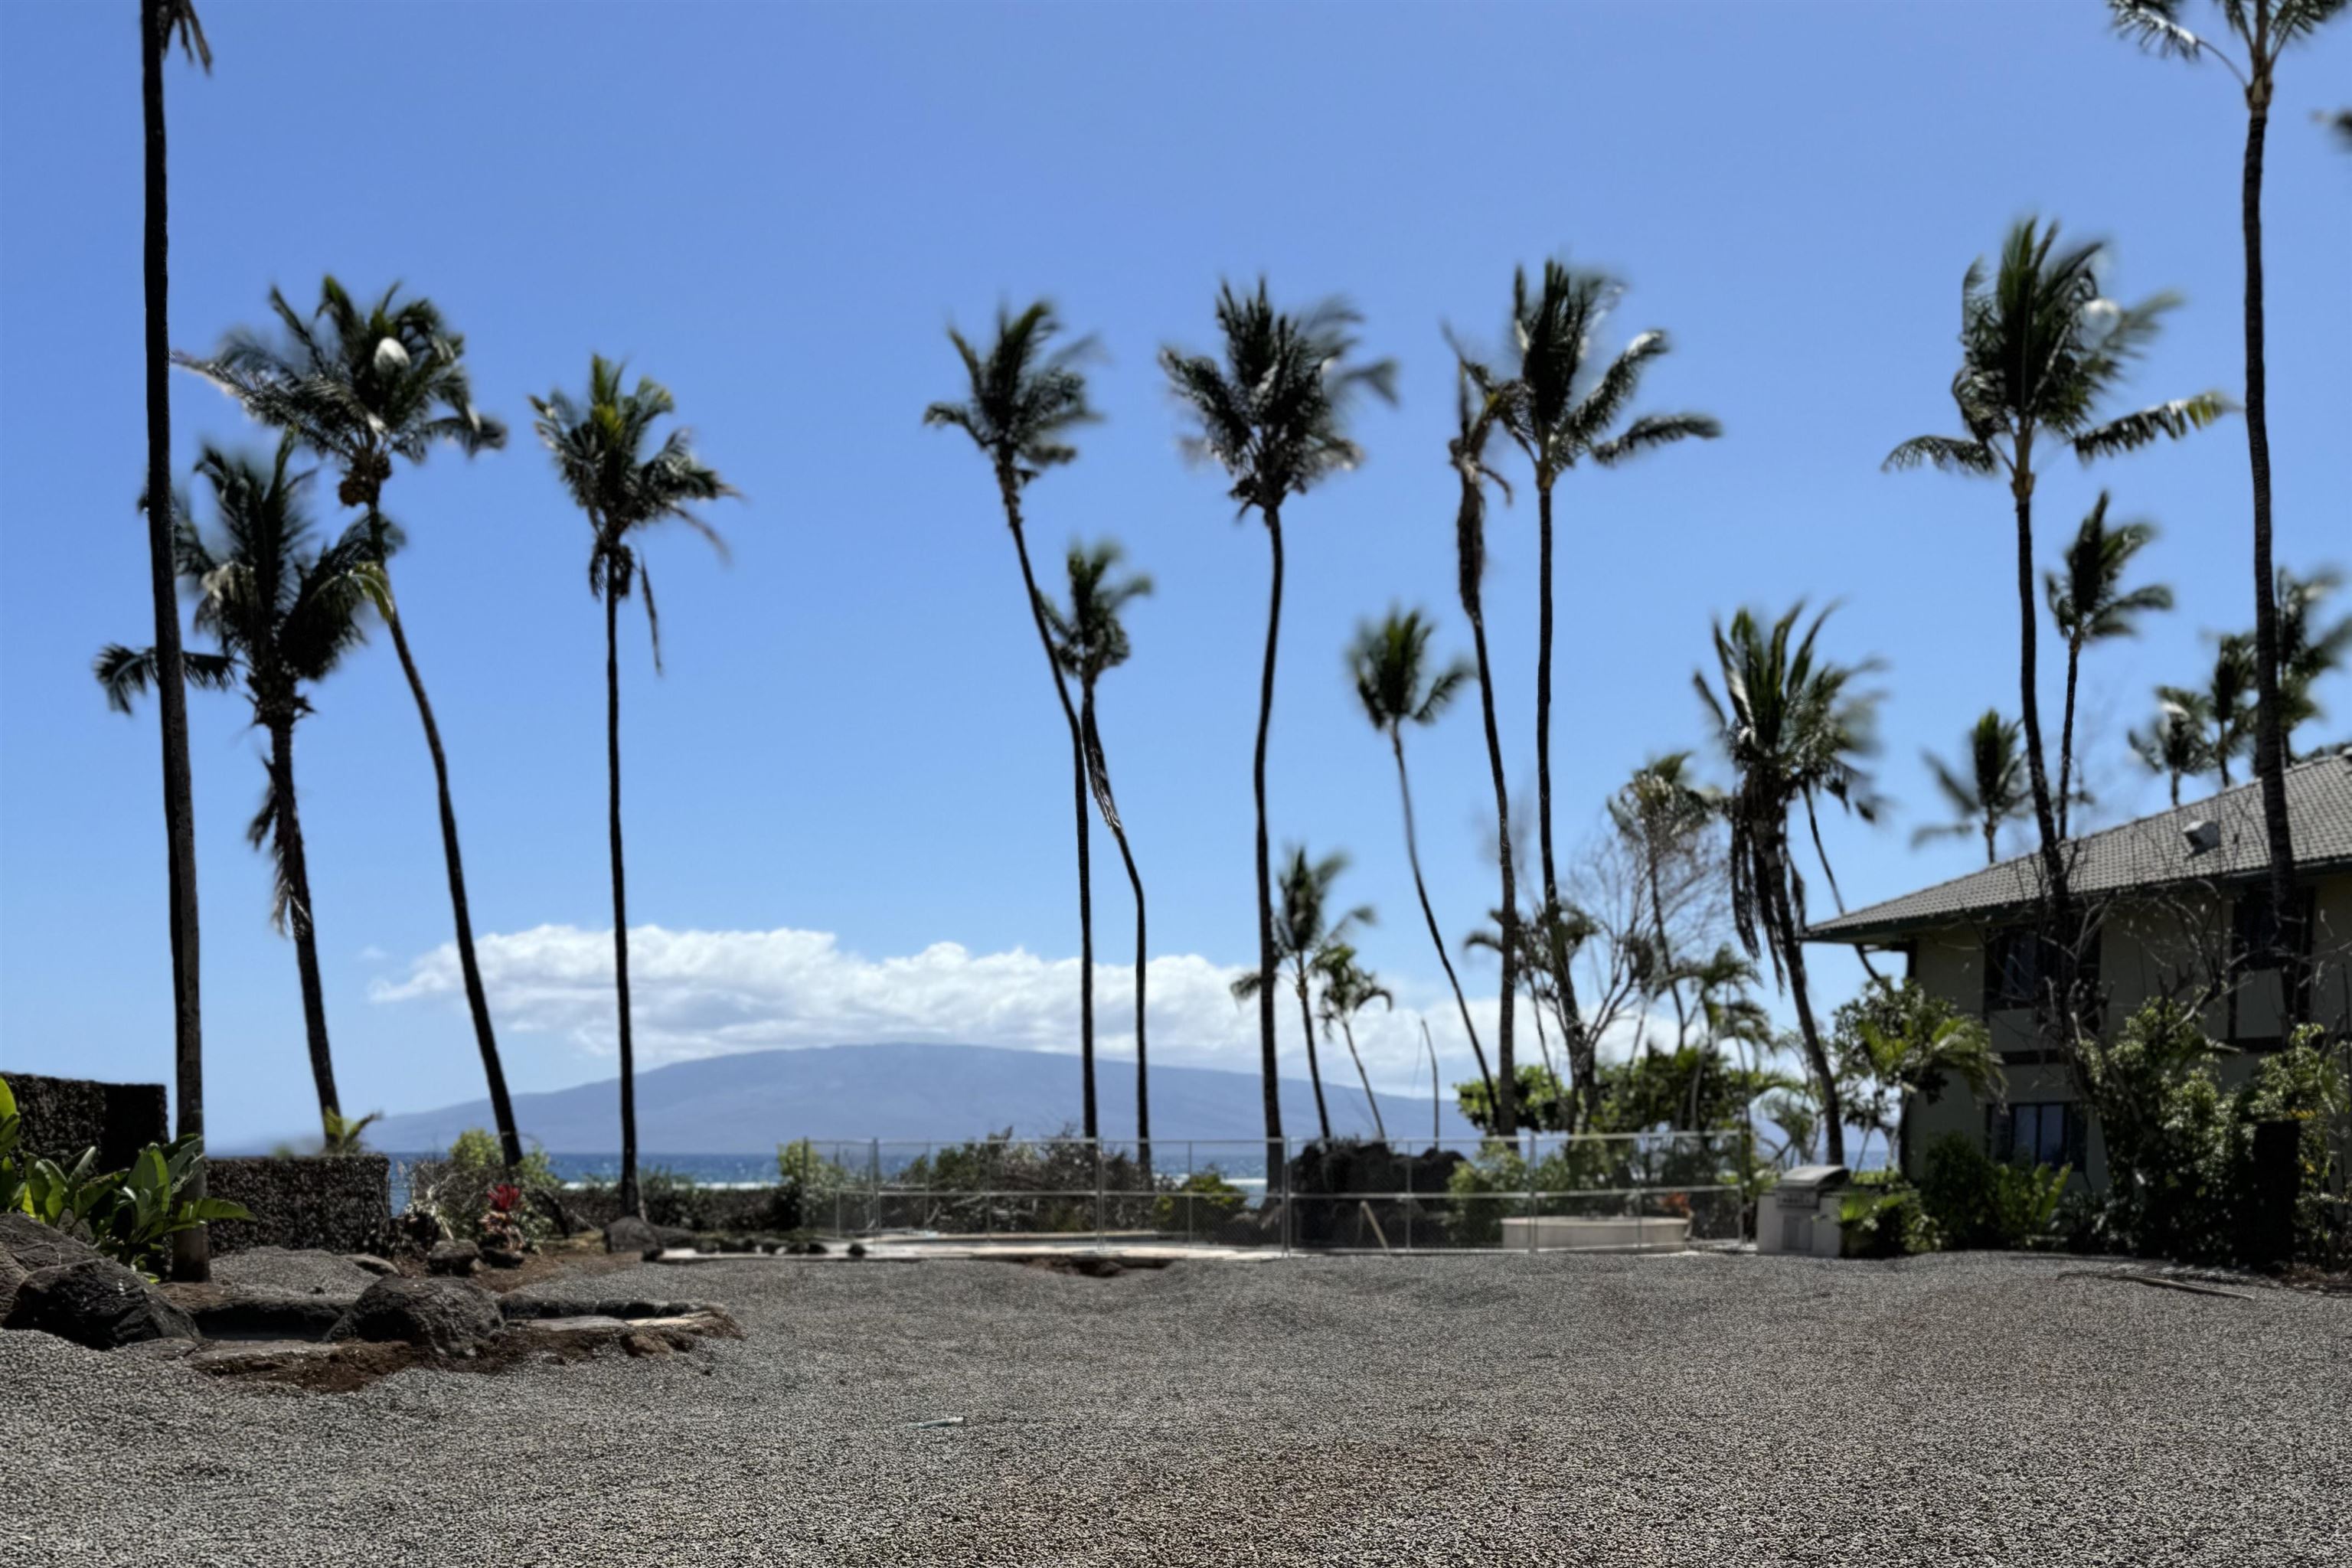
{"points": [[1201, 1202], [450, 1196], [807, 1183], [1886, 1219], [1974, 1202], [127, 1214]]}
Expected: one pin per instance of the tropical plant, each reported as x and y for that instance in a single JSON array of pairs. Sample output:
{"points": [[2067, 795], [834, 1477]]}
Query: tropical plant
{"points": [[1791, 724], [344, 1134], [360, 386], [1990, 793], [1302, 931], [1975, 1202], [1348, 989], [1475, 412], [161, 22], [2308, 652], [2173, 744], [1026, 398], [11, 1172], [2225, 711], [1560, 405], [1899, 1044], [2041, 347], [284, 616], [1274, 415], [1662, 815], [2265, 29], [1389, 661], [127, 1214], [2089, 603], [1088, 639], [1201, 1202], [599, 448]]}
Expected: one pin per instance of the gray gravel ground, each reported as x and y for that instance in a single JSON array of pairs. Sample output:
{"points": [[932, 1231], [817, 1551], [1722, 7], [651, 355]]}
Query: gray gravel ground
{"points": [[1702, 1410], [277, 1268]]}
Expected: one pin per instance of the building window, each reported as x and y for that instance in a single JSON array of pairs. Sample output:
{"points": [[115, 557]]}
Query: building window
{"points": [[2013, 969], [2043, 1133], [2255, 928]]}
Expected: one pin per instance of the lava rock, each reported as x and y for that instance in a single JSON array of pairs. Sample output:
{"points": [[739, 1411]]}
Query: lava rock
{"points": [[630, 1234], [452, 1258], [500, 1257], [99, 1303], [35, 1247], [448, 1316]]}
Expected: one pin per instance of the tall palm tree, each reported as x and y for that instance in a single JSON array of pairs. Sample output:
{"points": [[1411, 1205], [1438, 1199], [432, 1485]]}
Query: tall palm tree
{"points": [[1990, 792], [362, 386], [1090, 638], [1661, 814], [2089, 603], [2265, 29], [599, 446], [2040, 349], [2225, 708], [160, 22], [2173, 745], [1391, 663], [1026, 397], [1273, 415], [1303, 930], [1787, 722], [1559, 405], [1475, 412], [284, 616], [1348, 989], [2308, 652]]}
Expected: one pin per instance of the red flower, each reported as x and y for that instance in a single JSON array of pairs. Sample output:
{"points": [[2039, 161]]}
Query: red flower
{"points": [[504, 1196]]}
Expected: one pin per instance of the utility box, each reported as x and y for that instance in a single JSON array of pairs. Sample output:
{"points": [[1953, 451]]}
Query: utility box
{"points": [[1801, 1213]]}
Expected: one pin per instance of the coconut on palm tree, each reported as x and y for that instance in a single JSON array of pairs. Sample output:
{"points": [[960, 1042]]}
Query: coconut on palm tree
{"points": [[1272, 411], [2090, 604], [1390, 664], [1303, 930], [1348, 989], [362, 386], [1789, 722], [1088, 640], [160, 22], [1560, 405], [1026, 397], [2041, 349], [599, 446], [1475, 412], [284, 614], [2173, 744], [2264, 29], [1989, 791]]}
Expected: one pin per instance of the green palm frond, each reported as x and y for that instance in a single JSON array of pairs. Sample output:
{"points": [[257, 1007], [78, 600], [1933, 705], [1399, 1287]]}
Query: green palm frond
{"points": [[1390, 662], [1089, 637], [177, 18], [1025, 394], [1557, 406], [2086, 596]]}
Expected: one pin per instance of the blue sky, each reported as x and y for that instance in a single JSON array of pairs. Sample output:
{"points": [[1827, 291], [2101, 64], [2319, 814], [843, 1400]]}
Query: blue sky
{"points": [[777, 209]]}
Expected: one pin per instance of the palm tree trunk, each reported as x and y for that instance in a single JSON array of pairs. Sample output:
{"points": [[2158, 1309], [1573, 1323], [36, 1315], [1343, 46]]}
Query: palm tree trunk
{"points": [[2056, 900], [1571, 1020], [1437, 938], [1990, 826], [1775, 879], [1347, 1033], [2066, 734], [1098, 765], [477, 1001], [2269, 759], [1821, 853], [191, 1254], [1008, 485], [1265, 872], [1314, 1068], [1503, 1099], [294, 866], [632, 1201], [1665, 949]]}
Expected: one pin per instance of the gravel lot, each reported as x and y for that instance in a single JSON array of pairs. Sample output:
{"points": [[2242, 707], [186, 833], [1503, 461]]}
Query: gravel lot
{"points": [[1695, 1409]]}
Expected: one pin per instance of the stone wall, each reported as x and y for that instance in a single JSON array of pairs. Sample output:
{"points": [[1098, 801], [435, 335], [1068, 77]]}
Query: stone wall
{"points": [[64, 1116], [336, 1203]]}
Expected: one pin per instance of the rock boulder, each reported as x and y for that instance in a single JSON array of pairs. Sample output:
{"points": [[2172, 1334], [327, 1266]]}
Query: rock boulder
{"points": [[99, 1303], [448, 1316], [454, 1258]]}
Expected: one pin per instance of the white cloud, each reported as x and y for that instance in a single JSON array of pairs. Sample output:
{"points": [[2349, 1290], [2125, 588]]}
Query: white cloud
{"points": [[699, 994]]}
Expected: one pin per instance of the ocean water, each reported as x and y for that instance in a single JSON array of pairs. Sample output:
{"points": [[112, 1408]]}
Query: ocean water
{"points": [[706, 1170]]}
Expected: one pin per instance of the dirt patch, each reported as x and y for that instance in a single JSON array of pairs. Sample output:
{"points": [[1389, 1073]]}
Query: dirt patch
{"points": [[1087, 1267], [578, 1257], [346, 1365]]}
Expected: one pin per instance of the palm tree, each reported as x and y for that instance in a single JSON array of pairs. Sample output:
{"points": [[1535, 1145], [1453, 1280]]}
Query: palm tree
{"points": [[2226, 706], [1662, 814], [2308, 652], [1391, 663], [2265, 29], [1303, 930], [1992, 791], [1088, 640], [1475, 412], [2088, 601], [2173, 745], [1789, 723], [599, 449], [1347, 990], [361, 387], [160, 21], [1274, 415], [1026, 399], [284, 616], [1559, 406], [2040, 349]]}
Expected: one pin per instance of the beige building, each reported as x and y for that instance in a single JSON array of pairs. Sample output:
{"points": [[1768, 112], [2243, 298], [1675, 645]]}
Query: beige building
{"points": [[2178, 906]]}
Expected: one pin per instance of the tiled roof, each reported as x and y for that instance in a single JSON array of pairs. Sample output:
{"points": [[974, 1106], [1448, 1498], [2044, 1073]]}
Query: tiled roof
{"points": [[2152, 852]]}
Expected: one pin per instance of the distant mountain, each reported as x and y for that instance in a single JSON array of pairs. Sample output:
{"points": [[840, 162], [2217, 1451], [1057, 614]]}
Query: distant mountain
{"points": [[751, 1102]]}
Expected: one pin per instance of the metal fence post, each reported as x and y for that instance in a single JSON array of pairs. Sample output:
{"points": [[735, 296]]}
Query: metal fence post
{"points": [[1535, 1148], [1098, 1194]]}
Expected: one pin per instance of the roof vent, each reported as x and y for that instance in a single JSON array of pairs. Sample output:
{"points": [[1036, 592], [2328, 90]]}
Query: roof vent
{"points": [[2201, 835]]}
